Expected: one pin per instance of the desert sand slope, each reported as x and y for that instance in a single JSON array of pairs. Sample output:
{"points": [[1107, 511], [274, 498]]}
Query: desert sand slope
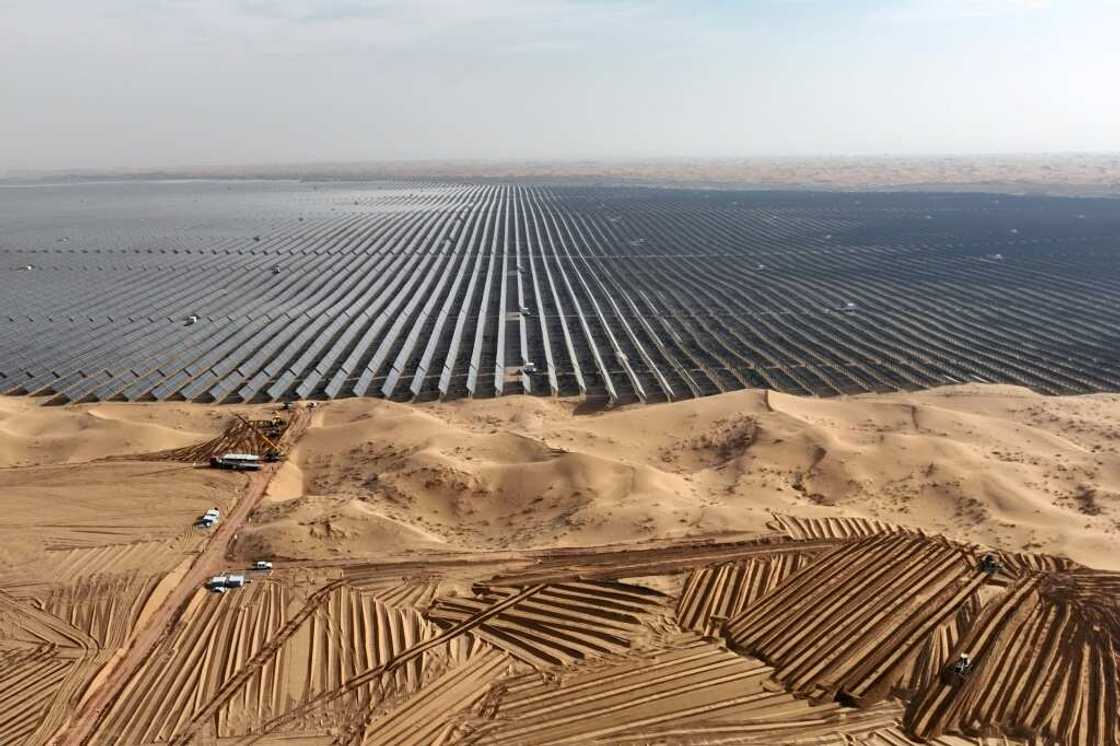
{"points": [[32, 435], [994, 464], [604, 644], [80, 507]]}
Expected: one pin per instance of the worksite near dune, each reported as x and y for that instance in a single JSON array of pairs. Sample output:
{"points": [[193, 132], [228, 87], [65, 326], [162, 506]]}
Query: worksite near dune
{"points": [[748, 568]]}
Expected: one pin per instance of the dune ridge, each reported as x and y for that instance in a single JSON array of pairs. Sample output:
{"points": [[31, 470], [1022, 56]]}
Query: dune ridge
{"points": [[997, 465]]}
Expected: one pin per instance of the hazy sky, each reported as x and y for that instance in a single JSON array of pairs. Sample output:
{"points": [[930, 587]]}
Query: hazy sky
{"points": [[138, 83]]}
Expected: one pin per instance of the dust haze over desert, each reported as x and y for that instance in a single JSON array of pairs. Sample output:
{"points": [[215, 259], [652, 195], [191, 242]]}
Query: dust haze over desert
{"points": [[553, 372]]}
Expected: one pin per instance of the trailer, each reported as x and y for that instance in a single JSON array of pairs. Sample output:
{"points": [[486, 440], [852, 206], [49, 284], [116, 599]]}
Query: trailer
{"points": [[236, 462], [223, 583], [246, 457]]}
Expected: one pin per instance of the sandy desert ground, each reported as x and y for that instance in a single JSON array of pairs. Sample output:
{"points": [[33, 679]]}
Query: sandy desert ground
{"points": [[745, 568]]}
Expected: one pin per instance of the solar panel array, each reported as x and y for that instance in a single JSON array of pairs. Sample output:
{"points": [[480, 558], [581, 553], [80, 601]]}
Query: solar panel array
{"points": [[617, 293]]}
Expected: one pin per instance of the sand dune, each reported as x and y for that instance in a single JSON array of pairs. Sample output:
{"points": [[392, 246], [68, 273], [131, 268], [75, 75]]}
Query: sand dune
{"points": [[994, 464], [34, 435], [620, 574], [998, 465]]}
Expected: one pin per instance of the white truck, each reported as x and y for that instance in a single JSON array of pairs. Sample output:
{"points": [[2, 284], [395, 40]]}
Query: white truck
{"points": [[210, 518]]}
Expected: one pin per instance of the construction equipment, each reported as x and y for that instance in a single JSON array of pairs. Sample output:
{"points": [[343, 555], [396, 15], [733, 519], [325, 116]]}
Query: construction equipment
{"points": [[274, 453], [989, 563], [957, 671]]}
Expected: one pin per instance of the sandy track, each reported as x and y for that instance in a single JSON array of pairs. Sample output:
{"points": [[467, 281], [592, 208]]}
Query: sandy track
{"points": [[570, 564], [217, 633], [341, 646], [210, 561], [592, 564], [846, 624]]}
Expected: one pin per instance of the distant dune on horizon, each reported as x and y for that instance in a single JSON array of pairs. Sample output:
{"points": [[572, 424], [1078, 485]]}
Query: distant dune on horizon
{"points": [[1072, 174]]}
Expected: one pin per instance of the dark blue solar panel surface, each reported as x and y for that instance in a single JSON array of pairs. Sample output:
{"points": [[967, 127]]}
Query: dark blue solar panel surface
{"points": [[624, 293]]}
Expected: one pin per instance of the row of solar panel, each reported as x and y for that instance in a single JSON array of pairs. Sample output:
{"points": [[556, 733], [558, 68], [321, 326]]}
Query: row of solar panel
{"points": [[424, 297]]}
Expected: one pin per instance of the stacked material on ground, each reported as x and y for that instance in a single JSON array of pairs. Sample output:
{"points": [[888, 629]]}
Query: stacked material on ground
{"points": [[255, 437]]}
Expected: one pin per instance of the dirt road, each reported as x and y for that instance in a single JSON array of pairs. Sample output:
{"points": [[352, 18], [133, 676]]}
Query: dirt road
{"points": [[80, 727]]}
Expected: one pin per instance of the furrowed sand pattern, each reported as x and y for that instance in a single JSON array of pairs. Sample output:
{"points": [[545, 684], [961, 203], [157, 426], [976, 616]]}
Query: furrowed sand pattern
{"points": [[561, 624], [690, 689], [809, 623], [240, 436], [847, 623], [712, 595], [217, 634], [106, 607], [1049, 661], [30, 680], [44, 663], [843, 634]]}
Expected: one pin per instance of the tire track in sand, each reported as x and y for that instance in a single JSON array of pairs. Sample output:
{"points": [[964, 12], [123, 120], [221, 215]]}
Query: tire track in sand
{"points": [[85, 720]]}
